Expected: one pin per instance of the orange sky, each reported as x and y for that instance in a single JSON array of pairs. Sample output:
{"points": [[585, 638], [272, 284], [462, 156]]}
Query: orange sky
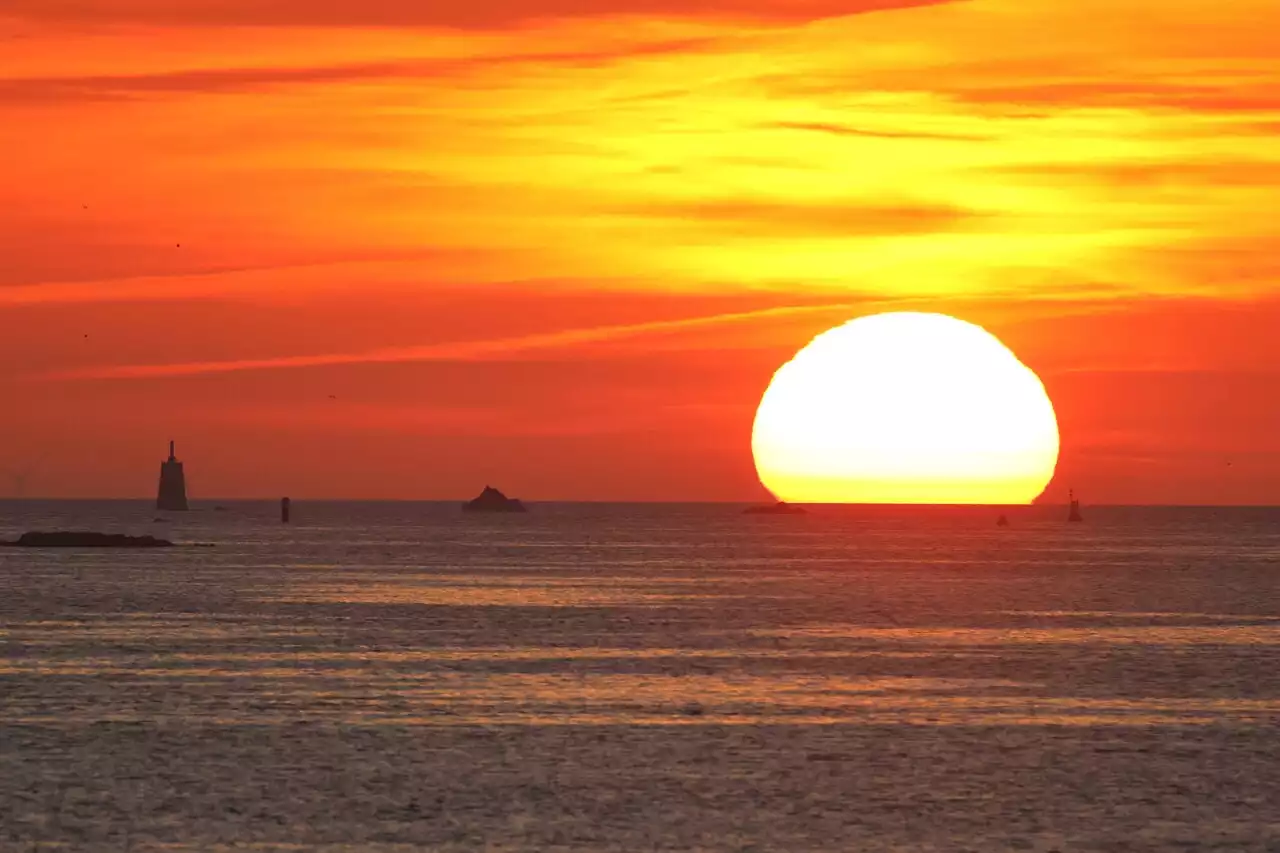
{"points": [[561, 245]]}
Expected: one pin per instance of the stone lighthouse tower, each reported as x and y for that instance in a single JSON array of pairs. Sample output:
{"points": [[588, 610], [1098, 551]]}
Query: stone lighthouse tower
{"points": [[173, 485]]}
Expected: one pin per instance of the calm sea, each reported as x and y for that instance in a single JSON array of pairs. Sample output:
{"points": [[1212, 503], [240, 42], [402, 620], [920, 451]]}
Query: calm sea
{"points": [[378, 677]]}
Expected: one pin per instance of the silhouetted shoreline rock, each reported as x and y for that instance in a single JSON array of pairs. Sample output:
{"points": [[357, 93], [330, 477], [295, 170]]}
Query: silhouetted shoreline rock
{"points": [[780, 508], [85, 539], [492, 500]]}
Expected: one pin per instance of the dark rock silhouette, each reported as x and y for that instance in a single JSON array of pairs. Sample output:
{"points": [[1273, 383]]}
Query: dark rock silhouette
{"points": [[172, 496], [1002, 521], [780, 508], [85, 539], [492, 500]]}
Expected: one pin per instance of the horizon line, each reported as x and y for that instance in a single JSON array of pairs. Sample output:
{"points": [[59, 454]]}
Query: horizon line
{"points": [[210, 503]]}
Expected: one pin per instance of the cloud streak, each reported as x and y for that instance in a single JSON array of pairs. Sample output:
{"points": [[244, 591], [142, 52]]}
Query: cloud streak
{"points": [[52, 90], [835, 129], [46, 90], [479, 14], [1229, 97], [813, 219], [475, 350]]}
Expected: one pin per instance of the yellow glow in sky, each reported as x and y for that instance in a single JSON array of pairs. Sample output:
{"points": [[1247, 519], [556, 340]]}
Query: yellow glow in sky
{"points": [[563, 244], [906, 408]]}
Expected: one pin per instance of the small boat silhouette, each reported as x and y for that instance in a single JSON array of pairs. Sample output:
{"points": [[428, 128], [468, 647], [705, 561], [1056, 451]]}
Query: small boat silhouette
{"points": [[780, 508]]}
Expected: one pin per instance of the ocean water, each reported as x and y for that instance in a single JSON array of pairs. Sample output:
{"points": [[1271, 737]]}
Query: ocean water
{"points": [[388, 677]]}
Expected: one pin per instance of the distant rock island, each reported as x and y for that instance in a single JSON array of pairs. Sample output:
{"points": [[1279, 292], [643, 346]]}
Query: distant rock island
{"points": [[85, 539], [780, 508], [492, 500]]}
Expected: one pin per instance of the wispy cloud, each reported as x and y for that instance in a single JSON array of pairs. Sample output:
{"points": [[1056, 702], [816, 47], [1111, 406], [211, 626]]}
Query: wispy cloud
{"points": [[1229, 96], [52, 90], [48, 90], [476, 14], [812, 219], [836, 129], [476, 350]]}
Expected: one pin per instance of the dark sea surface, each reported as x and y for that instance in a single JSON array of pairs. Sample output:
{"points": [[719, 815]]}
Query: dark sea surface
{"points": [[379, 677]]}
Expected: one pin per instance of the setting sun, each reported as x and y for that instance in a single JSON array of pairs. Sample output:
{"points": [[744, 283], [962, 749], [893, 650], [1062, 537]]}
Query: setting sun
{"points": [[906, 408]]}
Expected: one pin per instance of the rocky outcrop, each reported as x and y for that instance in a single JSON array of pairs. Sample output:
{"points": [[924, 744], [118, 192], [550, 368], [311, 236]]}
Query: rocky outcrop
{"points": [[85, 539], [492, 500], [780, 508]]}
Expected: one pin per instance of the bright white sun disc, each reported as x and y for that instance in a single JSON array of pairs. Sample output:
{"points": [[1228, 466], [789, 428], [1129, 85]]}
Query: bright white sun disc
{"points": [[905, 408]]}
